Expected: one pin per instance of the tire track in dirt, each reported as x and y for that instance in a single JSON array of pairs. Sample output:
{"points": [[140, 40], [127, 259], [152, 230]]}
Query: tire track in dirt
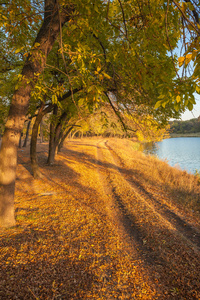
{"points": [[143, 229], [170, 269], [187, 231], [132, 238], [128, 230]]}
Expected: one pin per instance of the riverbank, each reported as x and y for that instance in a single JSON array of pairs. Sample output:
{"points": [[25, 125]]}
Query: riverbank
{"points": [[105, 222]]}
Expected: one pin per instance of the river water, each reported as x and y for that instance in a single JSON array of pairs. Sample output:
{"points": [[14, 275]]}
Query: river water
{"points": [[183, 152]]}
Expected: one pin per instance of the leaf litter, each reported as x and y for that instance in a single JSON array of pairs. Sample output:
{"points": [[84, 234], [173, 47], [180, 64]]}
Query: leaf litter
{"points": [[91, 228]]}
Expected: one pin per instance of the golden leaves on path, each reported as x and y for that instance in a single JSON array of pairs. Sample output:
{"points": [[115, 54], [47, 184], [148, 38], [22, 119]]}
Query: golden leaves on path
{"points": [[67, 245]]}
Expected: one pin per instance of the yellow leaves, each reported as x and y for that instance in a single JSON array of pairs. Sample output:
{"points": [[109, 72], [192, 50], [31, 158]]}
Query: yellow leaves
{"points": [[98, 69], [106, 75], [198, 89], [81, 101], [101, 74], [91, 88], [54, 99], [186, 59], [36, 45], [19, 50], [158, 104], [4, 17], [181, 61], [178, 99]]}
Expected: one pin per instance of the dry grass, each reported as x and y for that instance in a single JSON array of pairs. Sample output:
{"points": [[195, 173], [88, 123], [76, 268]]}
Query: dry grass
{"points": [[182, 188]]}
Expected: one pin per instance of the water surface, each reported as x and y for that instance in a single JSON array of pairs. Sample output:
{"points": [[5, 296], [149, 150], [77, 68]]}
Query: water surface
{"points": [[183, 152]]}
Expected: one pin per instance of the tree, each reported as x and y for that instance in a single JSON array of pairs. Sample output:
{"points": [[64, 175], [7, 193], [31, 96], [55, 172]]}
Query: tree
{"points": [[107, 46], [54, 19], [33, 155], [89, 61]]}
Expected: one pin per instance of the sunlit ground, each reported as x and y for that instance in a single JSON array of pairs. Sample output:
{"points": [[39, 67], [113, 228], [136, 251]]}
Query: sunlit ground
{"points": [[105, 222]]}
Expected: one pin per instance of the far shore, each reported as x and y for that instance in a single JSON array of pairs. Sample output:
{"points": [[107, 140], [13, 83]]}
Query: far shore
{"points": [[176, 135]]}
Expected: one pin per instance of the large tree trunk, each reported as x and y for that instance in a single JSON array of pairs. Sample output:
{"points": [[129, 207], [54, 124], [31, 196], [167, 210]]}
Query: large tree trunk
{"points": [[33, 67]]}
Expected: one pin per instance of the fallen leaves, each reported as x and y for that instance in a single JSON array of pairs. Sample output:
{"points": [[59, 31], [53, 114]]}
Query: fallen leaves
{"points": [[66, 245]]}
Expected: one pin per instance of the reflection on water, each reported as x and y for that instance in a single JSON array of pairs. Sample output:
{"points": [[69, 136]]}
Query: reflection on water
{"points": [[182, 152]]}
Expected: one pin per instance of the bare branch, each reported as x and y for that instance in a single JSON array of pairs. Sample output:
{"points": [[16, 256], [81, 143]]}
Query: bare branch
{"points": [[185, 17], [195, 14], [124, 20]]}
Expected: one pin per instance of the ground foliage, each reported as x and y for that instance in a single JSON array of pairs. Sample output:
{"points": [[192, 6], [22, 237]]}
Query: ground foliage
{"points": [[105, 222]]}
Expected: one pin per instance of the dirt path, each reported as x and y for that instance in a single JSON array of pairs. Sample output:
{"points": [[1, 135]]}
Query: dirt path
{"points": [[154, 204], [147, 227], [189, 233], [95, 227]]}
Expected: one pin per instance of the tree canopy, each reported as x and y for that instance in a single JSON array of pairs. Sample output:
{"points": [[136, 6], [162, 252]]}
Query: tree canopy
{"points": [[91, 53]]}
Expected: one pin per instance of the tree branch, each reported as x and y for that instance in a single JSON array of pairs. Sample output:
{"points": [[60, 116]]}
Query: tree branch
{"points": [[185, 17], [116, 112], [195, 14]]}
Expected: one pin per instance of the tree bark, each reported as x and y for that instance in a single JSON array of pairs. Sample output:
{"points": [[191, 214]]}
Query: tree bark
{"points": [[59, 129], [33, 145], [20, 141], [51, 155], [27, 134], [33, 67], [55, 131], [60, 145], [33, 153], [56, 136], [41, 132]]}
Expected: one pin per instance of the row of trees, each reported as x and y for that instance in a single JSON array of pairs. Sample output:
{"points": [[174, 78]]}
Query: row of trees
{"points": [[78, 59], [190, 126]]}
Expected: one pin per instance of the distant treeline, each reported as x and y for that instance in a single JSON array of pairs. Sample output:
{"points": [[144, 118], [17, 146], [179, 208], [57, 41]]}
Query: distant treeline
{"points": [[190, 126]]}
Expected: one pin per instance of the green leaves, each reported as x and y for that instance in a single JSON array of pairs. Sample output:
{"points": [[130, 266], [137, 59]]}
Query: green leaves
{"points": [[190, 106]]}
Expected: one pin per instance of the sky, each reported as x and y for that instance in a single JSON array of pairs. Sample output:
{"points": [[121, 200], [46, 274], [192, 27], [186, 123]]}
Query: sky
{"points": [[195, 113]]}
